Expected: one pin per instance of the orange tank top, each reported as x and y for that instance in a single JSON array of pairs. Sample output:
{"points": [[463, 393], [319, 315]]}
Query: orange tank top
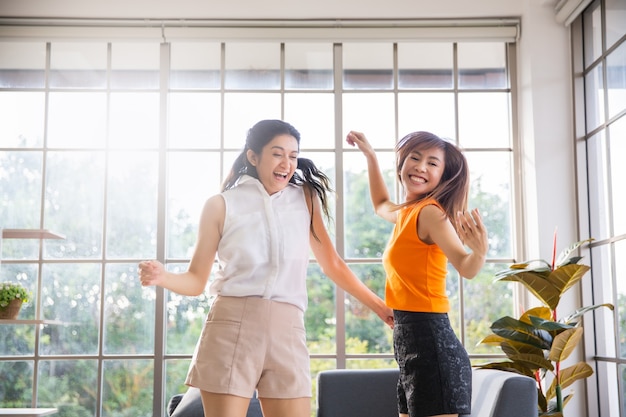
{"points": [[416, 271]]}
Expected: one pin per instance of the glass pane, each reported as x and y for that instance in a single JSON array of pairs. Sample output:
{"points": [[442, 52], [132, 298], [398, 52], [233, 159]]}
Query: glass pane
{"points": [[26, 275], [603, 285], [132, 204], [615, 21], [22, 64], [482, 65], [127, 388], [483, 303], [175, 373], [252, 65], [244, 110], [77, 120], [366, 233], [135, 65], [22, 119], [78, 65], [620, 273], [134, 120], [616, 80], [608, 375], [425, 65], [59, 378], [594, 98], [366, 333], [194, 120], [195, 65], [592, 29], [308, 66], [484, 120], [431, 112], [361, 71], [124, 297], [597, 161], [491, 192], [20, 200], [320, 319], [373, 114], [19, 339], [71, 295], [315, 132], [185, 319], [16, 384], [193, 177], [617, 145], [74, 204], [454, 296]]}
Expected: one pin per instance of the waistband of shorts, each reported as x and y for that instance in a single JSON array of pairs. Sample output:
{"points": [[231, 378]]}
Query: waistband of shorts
{"points": [[402, 316]]}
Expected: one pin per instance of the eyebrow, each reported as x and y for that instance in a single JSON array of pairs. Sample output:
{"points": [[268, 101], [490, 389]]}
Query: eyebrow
{"points": [[280, 148], [430, 157]]}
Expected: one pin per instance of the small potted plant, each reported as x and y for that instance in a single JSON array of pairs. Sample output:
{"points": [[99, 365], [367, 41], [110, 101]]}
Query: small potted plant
{"points": [[12, 295]]}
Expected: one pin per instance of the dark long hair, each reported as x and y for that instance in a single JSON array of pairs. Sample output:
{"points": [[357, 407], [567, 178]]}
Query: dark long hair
{"points": [[453, 189], [307, 174]]}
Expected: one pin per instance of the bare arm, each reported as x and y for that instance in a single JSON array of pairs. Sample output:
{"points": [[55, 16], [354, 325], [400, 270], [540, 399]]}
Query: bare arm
{"points": [[194, 280], [378, 189], [434, 227], [335, 267]]}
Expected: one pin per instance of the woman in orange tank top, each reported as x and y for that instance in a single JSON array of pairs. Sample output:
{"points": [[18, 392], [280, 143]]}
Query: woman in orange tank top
{"points": [[432, 228]]}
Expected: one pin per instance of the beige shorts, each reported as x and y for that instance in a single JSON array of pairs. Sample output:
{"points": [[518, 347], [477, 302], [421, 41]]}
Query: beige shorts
{"points": [[250, 343]]}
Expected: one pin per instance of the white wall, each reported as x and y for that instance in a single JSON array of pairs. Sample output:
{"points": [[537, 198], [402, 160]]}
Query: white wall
{"points": [[545, 99]]}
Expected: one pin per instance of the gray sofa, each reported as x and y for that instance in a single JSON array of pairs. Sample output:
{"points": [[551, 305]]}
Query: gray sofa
{"points": [[372, 392]]}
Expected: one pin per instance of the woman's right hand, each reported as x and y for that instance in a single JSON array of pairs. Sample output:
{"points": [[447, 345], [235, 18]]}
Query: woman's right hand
{"points": [[151, 273]]}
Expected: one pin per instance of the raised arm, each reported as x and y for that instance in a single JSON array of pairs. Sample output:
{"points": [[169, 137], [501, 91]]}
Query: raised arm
{"points": [[194, 280], [434, 227], [378, 189], [334, 267]]}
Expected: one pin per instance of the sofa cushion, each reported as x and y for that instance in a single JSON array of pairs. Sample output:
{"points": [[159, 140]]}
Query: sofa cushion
{"points": [[190, 405]]}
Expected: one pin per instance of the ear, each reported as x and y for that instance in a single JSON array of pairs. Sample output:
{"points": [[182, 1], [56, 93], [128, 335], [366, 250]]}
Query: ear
{"points": [[252, 157]]}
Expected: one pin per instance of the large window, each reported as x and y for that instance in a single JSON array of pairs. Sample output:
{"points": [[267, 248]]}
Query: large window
{"points": [[116, 144], [599, 40]]}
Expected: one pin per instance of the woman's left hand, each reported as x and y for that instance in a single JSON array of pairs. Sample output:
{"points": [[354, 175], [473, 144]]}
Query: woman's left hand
{"points": [[472, 232]]}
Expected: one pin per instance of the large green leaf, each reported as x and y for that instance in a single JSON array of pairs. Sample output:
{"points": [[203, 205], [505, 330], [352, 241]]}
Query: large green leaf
{"points": [[564, 343], [541, 312], [532, 361], [568, 376], [512, 348], [564, 256], [565, 277], [539, 285], [574, 318], [516, 368], [512, 329], [549, 325]]}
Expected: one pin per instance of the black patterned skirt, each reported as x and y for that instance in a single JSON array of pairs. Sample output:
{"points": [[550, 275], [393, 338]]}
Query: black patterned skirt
{"points": [[435, 370]]}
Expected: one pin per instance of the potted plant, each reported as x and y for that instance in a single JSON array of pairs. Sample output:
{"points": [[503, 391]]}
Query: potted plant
{"points": [[538, 342], [12, 295]]}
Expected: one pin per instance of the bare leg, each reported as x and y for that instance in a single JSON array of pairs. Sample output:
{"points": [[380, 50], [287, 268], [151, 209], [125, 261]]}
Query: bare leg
{"points": [[278, 407], [224, 405]]}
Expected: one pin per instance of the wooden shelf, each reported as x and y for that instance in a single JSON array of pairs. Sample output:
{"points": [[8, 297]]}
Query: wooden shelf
{"points": [[18, 321], [29, 412], [30, 234]]}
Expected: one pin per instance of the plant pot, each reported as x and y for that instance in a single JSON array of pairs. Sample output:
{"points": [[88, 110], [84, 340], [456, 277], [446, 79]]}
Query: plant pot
{"points": [[11, 311]]}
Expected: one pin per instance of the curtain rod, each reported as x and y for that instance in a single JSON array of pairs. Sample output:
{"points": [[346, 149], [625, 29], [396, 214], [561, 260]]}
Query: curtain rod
{"points": [[296, 23]]}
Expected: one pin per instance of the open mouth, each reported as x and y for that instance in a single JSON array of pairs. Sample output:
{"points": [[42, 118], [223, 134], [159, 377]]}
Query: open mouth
{"points": [[280, 175]]}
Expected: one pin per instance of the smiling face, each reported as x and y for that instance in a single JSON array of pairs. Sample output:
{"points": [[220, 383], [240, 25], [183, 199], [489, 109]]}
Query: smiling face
{"points": [[421, 172], [276, 163]]}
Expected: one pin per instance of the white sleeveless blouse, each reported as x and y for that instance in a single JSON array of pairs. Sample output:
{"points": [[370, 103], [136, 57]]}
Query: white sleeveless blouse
{"points": [[264, 250]]}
